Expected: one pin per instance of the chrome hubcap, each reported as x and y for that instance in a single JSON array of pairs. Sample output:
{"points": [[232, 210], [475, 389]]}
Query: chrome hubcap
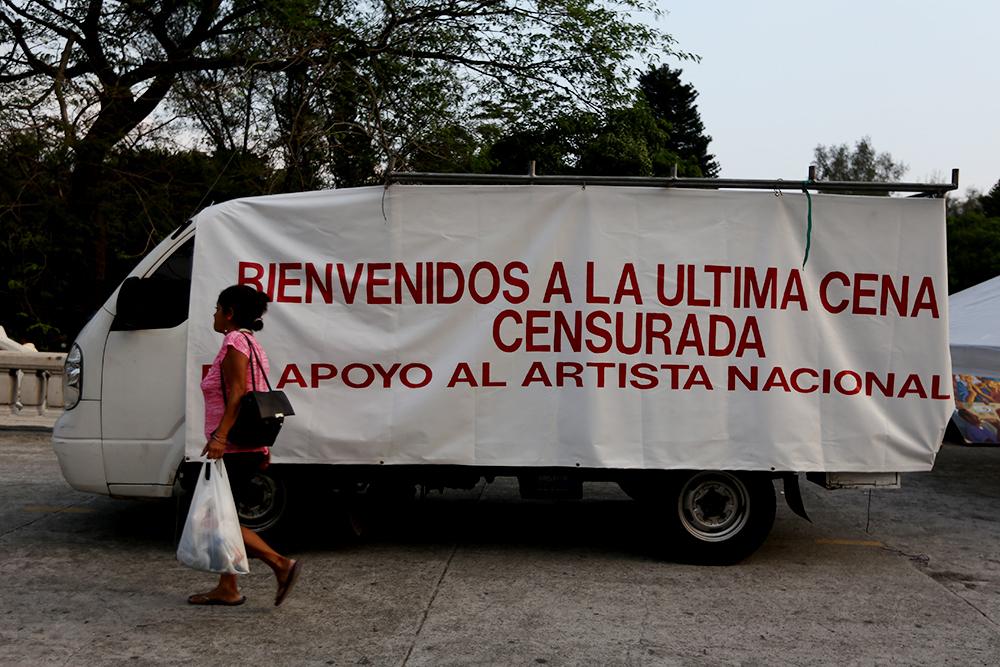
{"points": [[713, 506]]}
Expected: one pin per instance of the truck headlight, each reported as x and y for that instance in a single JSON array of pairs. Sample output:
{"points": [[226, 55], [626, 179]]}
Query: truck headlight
{"points": [[72, 377]]}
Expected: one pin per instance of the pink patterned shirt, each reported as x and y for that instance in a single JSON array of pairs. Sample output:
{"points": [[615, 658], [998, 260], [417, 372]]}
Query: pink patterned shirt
{"points": [[211, 385]]}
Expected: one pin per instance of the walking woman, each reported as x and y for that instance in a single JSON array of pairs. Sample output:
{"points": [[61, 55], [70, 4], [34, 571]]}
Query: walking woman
{"points": [[237, 315]]}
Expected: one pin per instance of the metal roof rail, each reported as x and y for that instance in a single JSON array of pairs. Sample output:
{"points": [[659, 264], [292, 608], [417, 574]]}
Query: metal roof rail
{"points": [[834, 187]]}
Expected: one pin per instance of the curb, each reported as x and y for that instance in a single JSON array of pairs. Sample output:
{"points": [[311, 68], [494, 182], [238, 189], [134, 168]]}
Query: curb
{"points": [[26, 427]]}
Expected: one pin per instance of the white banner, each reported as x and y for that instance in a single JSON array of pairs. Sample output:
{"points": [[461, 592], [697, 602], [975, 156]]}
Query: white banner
{"points": [[593, 327]]}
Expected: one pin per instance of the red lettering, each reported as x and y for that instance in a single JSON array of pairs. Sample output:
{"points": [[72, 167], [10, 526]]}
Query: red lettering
{"points": [[862, 293], [692, 299], [368, 374], [517, 282], [647, 380], [324, 284], [926, 300], [498, 323], [487, 380], [628, 285], [661, 280], [463, 374], [570, 332], [776, 379], [748, 382], [414, 285], [717, 271], [763, 296], [270, 280], [531, 329], [750, 338], [291, 375], [536, 374], [377, 281], [592, 296], [798, 372], [349, 290], [456, 271], [596, 331], [936, 391], [674, 370], [600, 366], [698, 378], [912, 385], [494, 274], [386, 374], [838, 382], [569, 370], [899, 298], [872, 381], [245, 278], [284, 281], [715, 347], [320, 372], [824, 286], [409, 383], [690, 336], [620, 343], [654, 333], [794, 292], [558, 285]]}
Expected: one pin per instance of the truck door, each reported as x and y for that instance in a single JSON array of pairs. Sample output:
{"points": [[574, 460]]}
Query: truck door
{"points": [[142, 398]]}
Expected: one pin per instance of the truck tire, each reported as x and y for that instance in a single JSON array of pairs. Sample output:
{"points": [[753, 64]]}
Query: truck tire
{"points": [[263, 501], [720, 518]]}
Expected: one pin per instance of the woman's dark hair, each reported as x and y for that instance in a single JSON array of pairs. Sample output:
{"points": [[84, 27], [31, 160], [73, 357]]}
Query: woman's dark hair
{"points": [[247, 305]]}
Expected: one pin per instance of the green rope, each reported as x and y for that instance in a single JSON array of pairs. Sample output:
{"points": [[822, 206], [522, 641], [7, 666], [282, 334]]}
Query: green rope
{"points": [[809, 218]]}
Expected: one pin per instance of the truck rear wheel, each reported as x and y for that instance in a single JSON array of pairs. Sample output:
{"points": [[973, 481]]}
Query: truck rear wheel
{"points": [[719, 517]]}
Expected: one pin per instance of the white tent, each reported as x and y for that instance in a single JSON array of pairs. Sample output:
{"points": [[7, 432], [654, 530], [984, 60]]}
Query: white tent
{"points": [[974, 316]]}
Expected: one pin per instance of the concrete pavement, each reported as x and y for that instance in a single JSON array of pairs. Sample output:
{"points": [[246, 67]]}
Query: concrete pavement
{"points": [[480, 577]]}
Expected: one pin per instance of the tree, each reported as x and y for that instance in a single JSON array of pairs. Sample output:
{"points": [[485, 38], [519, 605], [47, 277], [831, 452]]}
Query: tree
{"points": [[973, 249], [973, 238], [674, 102], [94, 74], [45, 257], [990, 202], [661, 128], [862, 163]]}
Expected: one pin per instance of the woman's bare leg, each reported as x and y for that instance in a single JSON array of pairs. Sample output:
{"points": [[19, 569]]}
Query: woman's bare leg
{"points": [[285, 569], [258, 548]]}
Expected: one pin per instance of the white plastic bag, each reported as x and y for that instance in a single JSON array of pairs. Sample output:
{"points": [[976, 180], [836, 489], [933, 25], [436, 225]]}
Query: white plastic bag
{"points": [[211, 540]]}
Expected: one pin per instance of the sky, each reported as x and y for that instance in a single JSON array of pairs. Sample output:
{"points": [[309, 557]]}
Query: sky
{"points": [[778, 77]]}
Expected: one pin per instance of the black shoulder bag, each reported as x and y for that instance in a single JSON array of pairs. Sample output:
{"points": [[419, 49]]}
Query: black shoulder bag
{"points": [[261, 412]]}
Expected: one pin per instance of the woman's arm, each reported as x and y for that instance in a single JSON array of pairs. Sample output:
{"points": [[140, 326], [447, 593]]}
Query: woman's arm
{"points": [[234, 371]]}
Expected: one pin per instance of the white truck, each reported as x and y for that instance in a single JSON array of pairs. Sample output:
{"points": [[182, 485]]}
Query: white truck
{"points": [[691, 339]]}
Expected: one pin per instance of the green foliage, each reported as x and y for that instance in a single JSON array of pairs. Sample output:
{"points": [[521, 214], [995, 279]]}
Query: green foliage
{"points": [[973, 239], [990, 202], [862, 163], [671, 101], [45, 251], [659, 129]]}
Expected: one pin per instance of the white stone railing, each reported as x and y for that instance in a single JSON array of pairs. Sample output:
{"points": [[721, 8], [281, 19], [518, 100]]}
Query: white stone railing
{"points": [[31, 379]]}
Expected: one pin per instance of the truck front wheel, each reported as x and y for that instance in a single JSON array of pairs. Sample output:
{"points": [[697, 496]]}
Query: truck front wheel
{"points": [[720, 517], [262, 501]]}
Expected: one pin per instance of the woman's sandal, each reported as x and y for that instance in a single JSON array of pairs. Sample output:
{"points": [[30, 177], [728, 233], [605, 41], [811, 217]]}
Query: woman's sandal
{"points": [[204, 600], [285, 588]]}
